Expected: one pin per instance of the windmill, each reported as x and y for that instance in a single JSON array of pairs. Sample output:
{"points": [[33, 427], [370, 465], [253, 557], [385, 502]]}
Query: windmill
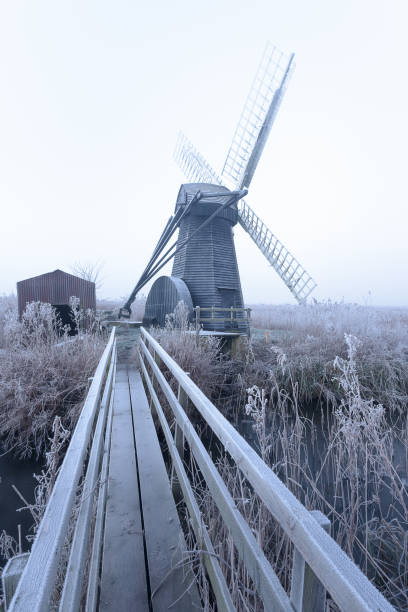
{"points": [[205, 271]]}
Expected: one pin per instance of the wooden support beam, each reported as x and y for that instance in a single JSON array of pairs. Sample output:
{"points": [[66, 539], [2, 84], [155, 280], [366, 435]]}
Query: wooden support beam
{"points": [[307, 594], [179, 442], [11, 576]]}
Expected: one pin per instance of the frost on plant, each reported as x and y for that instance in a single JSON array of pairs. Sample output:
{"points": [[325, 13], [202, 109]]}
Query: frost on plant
{"points": [[356, 416], [256, 408]]}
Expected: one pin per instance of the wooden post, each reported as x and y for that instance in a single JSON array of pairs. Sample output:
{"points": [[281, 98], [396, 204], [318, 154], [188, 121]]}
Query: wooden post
{"points": [[307, 594], [232, 313], [155, 384], [11, 576], [197, 311], [182, 398]]}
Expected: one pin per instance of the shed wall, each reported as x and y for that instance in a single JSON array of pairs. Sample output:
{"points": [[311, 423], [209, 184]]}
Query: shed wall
{"points": [[55, 288]]}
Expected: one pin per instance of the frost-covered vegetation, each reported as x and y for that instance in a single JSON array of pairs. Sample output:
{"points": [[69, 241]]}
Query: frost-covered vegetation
{"points": [[322, 392], [43, 372], [309, 338]]}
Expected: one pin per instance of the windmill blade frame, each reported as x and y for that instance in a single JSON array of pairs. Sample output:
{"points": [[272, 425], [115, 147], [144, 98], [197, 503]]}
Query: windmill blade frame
{"points": [[193, 164], [257, 117], [295, 277]]}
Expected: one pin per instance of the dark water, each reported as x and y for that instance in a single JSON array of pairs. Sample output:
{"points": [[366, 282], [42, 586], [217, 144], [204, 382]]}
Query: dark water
{"points": [[17, 472]]}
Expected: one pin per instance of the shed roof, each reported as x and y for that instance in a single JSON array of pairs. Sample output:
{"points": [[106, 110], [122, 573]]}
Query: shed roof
{"points": [[55, 288]]}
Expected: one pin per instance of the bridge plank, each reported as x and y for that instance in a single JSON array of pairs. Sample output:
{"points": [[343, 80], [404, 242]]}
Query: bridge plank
{"points": [[123, 581], [169, 581]]}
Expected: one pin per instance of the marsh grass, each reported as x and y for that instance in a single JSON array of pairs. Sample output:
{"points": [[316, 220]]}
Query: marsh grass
{"points": [[203, 361], [43, 373], [312, 336]]}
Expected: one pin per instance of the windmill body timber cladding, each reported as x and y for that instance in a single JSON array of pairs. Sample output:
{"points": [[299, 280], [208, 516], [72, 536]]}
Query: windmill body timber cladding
{"points": [[55, 288], [208, 262]]}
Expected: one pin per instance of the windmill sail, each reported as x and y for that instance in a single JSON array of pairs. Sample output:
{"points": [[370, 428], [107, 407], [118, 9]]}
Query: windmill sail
{"points": [[295, 277], [258, 115], [193, 164]]}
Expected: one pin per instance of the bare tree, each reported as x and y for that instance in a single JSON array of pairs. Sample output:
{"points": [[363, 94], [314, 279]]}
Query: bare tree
{"points": [[89, 271]]}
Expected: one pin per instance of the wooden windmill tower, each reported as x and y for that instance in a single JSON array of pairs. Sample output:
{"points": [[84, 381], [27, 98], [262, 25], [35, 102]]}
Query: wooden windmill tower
{"points": [[205, 271]]}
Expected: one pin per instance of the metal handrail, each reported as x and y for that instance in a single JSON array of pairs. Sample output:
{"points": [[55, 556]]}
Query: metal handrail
{"points": [[339, 575]]}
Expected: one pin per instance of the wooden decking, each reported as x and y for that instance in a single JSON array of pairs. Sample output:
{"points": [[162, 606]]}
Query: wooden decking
{"points": [[142, 556]]}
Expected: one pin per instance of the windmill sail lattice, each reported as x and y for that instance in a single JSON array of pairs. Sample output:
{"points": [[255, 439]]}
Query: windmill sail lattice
{"points": [[295, 277], [258, 115]]}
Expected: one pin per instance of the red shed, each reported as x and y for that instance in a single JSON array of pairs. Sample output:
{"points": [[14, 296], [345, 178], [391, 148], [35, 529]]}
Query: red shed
{"points": [[56, 288]]}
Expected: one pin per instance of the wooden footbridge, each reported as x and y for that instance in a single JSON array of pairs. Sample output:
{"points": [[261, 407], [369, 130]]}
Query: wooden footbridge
{"points": [[112, 539]]}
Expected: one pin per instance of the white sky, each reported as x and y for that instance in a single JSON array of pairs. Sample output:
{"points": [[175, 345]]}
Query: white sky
{"points": [[93, 94]]}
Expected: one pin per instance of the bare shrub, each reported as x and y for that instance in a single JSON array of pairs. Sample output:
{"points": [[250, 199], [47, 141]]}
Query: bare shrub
{"points": [[89, 271]]}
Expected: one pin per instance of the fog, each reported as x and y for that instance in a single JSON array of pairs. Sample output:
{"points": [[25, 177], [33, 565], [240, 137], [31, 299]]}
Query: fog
{"points": [[93, 96]]}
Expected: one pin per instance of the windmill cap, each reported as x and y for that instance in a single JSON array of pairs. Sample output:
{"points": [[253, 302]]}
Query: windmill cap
{"points": [[206, 206]]}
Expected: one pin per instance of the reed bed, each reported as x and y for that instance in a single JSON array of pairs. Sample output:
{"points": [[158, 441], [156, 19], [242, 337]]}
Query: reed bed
{"points": [[43, 374]]}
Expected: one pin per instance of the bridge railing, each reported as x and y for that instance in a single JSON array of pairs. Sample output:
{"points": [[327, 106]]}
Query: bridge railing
{"points": [[319, 564], [63, 545]]}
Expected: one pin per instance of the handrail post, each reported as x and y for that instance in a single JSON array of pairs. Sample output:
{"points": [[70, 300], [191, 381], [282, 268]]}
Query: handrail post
{"points": [[158, 361], [197, 311], [307, 594], [11, 576], [182, 399]]}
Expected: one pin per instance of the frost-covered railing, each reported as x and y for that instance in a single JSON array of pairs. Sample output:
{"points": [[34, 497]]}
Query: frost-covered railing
{"points": [[63, 546], [229, 319], [319, 564]]}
